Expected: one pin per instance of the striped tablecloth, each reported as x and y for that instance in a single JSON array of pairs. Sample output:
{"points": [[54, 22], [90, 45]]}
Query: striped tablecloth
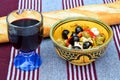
{"points": [[53, 67]]}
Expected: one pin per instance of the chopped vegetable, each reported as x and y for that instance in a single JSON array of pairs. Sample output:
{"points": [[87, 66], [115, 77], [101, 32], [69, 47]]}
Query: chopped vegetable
{"points": [[100, 39], [82, 38], [74, 39], [87, 44], [74, 34], [64, 34], [95, 31], [77, 44], [90, 32], [78, 29], [86, 34]]}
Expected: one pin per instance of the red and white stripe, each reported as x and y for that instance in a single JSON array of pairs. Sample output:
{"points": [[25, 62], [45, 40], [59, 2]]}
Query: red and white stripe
{"points": [[30, 4], [116, 37], [67, 4], [116, 32], [108, 1], [74, 72], [16, 74]]}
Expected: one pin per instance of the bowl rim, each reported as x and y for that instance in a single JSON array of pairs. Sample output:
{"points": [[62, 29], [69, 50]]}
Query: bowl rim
{"points": [[85, 19]]}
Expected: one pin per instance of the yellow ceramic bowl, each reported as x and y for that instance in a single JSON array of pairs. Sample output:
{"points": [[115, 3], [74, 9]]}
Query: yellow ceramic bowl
{"points": [[80, 56]]}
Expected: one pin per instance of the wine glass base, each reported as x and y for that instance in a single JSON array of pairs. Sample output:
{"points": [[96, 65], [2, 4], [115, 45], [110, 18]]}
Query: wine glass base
{"points": [[27, 61]]}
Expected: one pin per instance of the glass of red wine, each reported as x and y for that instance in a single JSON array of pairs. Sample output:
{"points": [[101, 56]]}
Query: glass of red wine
{"points": [[25, 32]]}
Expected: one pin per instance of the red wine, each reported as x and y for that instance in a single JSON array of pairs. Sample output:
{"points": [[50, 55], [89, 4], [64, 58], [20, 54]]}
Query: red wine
{"points": [[25, 37]]}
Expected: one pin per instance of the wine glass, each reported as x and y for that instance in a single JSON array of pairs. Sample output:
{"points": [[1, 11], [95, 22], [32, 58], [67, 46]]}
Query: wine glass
{"points": [[25, 32]]}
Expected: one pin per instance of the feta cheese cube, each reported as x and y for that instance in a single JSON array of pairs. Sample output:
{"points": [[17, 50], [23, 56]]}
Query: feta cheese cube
{"points": [[78, 44], [95, 31]]}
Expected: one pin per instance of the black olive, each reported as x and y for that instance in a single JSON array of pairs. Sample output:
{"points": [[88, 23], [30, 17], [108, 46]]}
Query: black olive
{"points": [[78, 29], [76, 47], [87, 44], [74, 39], [64, 34], [73, 34]]}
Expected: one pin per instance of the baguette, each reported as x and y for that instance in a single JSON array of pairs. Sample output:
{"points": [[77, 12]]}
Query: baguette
{"points": [[108, 13], [3, 30]]}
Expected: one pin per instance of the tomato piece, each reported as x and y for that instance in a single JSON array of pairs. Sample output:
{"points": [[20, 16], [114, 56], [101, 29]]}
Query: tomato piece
{"points": [[90, 32], [79, 34], [67, 42]]}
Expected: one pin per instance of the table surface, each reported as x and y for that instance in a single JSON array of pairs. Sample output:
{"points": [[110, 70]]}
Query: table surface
{"points": [[53, 67]]}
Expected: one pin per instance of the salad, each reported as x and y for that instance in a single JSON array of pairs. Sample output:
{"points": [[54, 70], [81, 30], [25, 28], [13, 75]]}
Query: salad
{"points": [[81, 38]]}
